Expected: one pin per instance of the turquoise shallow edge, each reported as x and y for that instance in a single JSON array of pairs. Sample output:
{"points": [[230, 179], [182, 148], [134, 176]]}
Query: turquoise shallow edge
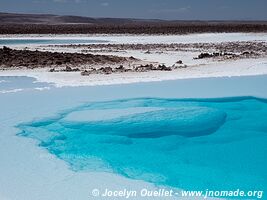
{"points": [[228, 154]]}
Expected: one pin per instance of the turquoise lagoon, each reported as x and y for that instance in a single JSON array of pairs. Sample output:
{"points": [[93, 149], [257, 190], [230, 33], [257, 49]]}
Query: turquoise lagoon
{"points": [[194, 144]]}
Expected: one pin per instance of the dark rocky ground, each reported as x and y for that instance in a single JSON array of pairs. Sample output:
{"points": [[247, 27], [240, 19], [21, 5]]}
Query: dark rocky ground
{"points": [[234, 47], [10, 58], [133, 28], [122, 69], [69, 62], [219, 51]]}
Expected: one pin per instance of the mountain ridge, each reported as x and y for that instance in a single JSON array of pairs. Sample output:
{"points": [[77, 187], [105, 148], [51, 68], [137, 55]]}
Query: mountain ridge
{"points": [[18, 18]]}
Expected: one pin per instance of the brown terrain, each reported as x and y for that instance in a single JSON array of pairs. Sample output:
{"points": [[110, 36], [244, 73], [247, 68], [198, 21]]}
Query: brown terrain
{"points": [[219, 51], [69, 62], [234, 47], [54, 24], [10, 58]]}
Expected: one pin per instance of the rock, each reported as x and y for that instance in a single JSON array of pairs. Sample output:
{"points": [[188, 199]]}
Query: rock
{"points": [[215, 54], [6, 49], [105, 70], [59, 63], [85, 73], [144, 68], [246, 53], [204, 55], [163, 68], [179, 62], [88, 72], [132, 58], [68, 69], [76, 69], [120, 69]]}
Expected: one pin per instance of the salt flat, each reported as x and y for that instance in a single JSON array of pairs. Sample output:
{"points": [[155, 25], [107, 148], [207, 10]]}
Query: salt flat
{"points": [[196, 68]]}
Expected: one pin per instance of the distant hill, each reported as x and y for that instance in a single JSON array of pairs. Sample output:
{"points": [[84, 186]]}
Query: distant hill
{"points": [[12, 23], [15, 18]]}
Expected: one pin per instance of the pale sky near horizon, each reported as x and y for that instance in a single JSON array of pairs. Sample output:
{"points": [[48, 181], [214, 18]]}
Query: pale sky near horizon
{"points": [[147, 9]]}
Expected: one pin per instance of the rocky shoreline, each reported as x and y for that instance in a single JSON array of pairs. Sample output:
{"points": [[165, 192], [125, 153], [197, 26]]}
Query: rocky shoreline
{"points": [[234, 47], [11, 58], [87, 64], [86, 58], [216, 51], [122, 69]]}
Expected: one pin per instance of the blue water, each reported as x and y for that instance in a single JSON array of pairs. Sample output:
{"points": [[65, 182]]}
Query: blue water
{"points": [[193, 144], [48, 41], [20, 82]]}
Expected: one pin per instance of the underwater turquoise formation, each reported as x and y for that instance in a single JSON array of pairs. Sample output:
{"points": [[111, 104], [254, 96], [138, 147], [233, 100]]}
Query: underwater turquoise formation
{"points": [[195, 144]]}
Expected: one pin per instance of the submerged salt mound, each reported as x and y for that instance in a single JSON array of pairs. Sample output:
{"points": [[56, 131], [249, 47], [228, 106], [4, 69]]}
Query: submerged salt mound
{"points": [[187, 122], [229, 154]]}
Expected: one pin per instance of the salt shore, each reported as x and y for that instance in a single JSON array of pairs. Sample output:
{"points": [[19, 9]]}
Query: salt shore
{"points": [[246, 67], [146, 39], [196, 68]]}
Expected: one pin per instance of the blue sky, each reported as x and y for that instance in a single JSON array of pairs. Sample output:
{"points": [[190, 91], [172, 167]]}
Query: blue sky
{"points": [[150, 9]]}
